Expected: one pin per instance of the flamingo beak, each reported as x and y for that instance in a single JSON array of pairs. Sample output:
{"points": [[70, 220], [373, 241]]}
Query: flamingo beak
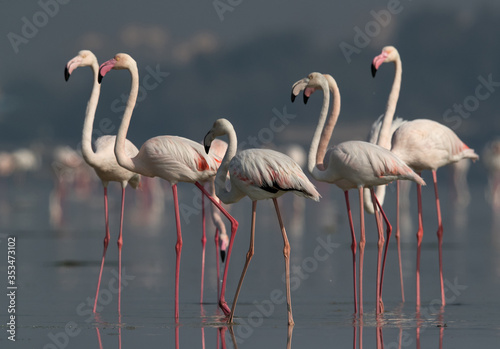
{"points": [[377, 62], [66, 74], [223, 256], [71, 65], [105, 67]]}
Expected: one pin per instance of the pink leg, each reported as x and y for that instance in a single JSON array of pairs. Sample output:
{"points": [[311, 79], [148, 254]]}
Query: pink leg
{"points": [[234, 228], [286, 254], [380, 246], [178, 250], [353, 249], [120, 244], [106, 242], [99, 336], [398, 234], [203, 243], [217, 252], [420, 234], [247, 262], [388, 237], [440, 237], [362, 243]]}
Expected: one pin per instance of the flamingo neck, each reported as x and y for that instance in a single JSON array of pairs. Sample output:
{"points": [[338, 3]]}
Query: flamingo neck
{"points": [[220, 178], [88, 153], [121, 156], [323, 132], [384, 139]]}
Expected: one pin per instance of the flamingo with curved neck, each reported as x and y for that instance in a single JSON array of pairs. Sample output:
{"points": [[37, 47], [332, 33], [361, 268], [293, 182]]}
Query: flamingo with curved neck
{"points": [[174, 159], [423, 145], [103, 160], [351, 165], [259, 174]]}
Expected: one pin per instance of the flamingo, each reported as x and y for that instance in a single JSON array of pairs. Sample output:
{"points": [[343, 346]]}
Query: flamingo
{"points": [[103, 160], [351, 165], [259, 174], [423, 145], [172, 158]]}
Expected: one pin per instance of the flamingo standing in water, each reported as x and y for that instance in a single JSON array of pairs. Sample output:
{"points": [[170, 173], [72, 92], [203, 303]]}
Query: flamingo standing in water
{"points": [[351, 165], [174, 159], [259, 174], [103, 160], [423, 145]]}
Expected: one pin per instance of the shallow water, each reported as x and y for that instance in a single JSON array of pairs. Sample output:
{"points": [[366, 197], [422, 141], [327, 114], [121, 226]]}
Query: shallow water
{"points": [[57, 269]]}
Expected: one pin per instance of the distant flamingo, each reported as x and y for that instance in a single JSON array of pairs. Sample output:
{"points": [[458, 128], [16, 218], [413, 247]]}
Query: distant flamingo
{"points": [[491, 156], [423, 145], [350, 165], [103, 160], [174, 159], [259, 174]]}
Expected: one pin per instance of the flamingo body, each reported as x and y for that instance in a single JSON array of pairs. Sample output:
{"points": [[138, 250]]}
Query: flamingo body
{"points": [[428, 145], [265, 174]]}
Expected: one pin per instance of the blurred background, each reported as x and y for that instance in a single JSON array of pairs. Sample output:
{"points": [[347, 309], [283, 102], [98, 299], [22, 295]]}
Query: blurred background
{"points": [[202, 60]]}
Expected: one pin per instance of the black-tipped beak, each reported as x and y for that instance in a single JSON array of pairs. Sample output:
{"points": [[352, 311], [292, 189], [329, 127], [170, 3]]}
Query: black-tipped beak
{"points": [[207, 149], [374, 70], [293, 97], [305, 99], [223, 256], [66, 73], [99, 78]]}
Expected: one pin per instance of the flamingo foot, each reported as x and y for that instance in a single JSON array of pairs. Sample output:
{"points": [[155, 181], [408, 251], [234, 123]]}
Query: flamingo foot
{"points": [[223, 305]]}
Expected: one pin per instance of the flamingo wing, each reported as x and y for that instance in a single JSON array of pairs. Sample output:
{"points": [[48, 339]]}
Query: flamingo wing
{"points": [[271, 172]]}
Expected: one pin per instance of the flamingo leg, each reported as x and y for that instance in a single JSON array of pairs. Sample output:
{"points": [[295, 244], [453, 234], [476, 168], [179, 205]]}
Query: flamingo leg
{"points": [[247, 262], [286, 254], [388, 237], [398, 241], [353, 249], [120, 244], [440, 236], [216, 240], [178, 250], [234, 228], [362, 243], [203, 243], [420, 234], [107, 237], [380, 246]]}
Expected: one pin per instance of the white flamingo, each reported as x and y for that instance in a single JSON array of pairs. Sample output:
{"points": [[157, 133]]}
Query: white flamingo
{"points": [[174, 159], [259, 174], [103, 160], [351, 165], [423, 145]]}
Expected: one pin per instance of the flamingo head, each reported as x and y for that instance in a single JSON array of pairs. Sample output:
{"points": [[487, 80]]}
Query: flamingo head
{"points": [[223, 244], [120, 61], [389, 54], [310, 84], [85, 58], [219, 128]]}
